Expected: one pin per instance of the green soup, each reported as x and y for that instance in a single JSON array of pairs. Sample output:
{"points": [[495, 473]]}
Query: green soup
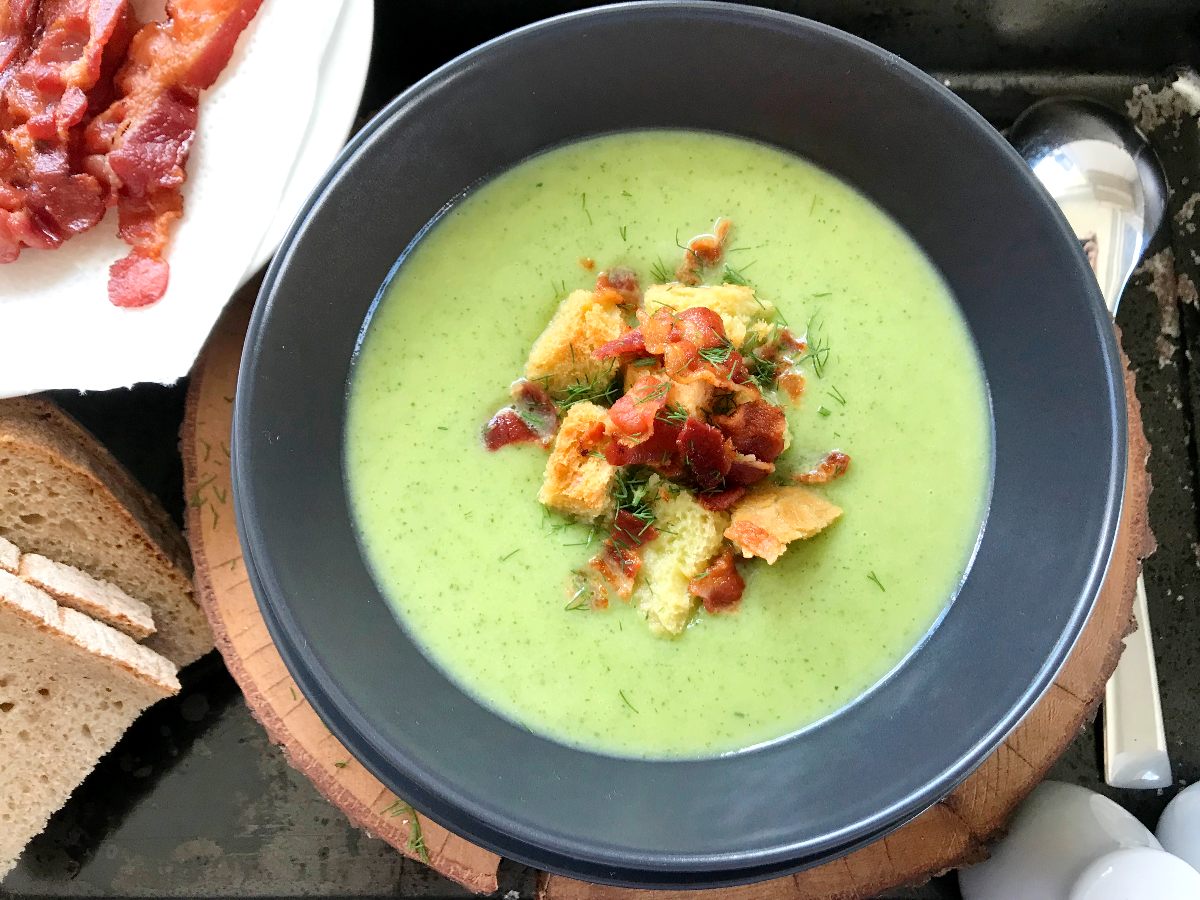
{"points": [[480, 575]]}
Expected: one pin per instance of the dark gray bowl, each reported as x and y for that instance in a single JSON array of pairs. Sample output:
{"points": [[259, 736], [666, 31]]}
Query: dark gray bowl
{"points": [[1046, 343]]}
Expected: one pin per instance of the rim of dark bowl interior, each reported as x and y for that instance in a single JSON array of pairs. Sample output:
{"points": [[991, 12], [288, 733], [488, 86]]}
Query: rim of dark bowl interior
{"points": [[1046, 345]]}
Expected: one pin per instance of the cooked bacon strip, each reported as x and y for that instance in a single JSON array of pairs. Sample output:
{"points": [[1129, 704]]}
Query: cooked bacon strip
{"points": [[618, 566], [706, 452], [832, 465], [531, 417], [703, 251], [659, 451], [141, 143], [506, 427], [719, 586], [746, 470], [16, 27], [634, 413], [702, 327], [631, 343], [43, 98], [757, 428], [623, 281], [631, 532], [659, 329], [722, 501]]}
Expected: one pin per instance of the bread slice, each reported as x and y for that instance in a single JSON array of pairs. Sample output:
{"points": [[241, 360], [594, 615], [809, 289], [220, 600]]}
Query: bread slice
{"points": [[63, 496], [69, 688], [78, 590], [10, 556]]}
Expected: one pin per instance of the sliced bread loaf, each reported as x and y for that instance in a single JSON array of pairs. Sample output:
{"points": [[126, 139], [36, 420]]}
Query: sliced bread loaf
{"points": [[69, 688], [78, 590], [63, 496], [10, 556]]}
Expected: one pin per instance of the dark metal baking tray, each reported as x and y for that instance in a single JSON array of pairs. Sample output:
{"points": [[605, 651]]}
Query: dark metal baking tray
{"points": [[195, 802]]}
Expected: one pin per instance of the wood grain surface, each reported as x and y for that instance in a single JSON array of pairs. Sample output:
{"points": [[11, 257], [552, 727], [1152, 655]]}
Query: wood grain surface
{"points": [[951, 833]]}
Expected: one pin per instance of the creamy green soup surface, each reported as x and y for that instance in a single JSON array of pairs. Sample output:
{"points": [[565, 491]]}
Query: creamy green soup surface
{"points": [[479, 573]]}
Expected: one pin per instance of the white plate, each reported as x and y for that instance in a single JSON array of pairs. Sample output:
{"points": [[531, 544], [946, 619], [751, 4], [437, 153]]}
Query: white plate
{"points": [[263, 142]]}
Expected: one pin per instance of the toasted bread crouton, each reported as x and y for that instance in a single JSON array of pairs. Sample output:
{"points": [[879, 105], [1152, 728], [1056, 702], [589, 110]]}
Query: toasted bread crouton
{"points": [[633, 373], [736, 304], [577, 482], [771, 516], [10, 556], [689, 536], [562, 354]]}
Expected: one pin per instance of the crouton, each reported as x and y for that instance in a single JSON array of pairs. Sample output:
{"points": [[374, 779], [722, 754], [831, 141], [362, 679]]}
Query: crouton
{"points": [[577, 482], [633, 373], [771, 516], [689, 536], [736, 304], [562, 354]]}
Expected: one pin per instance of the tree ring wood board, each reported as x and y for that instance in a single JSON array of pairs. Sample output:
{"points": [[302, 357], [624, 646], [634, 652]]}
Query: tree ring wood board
{"points": [[953, 832]]}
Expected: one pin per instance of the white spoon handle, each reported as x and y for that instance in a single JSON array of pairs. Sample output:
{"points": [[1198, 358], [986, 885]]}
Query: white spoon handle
{"points": [[1135, 745]]}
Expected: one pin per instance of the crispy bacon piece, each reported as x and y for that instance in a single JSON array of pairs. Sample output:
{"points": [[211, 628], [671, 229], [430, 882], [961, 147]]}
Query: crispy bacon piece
{"points": [[142, 141], [832, 465], [506, 427], [634, 413], [719, 586], [44, 95], [623, 281], [659, 451], [722, 501], [659, 329], [757, 428], [631, 532], [702, 327], [531, 417], [631, 343], [703, 251], [792, 382], [746, 470], [706, 453]]}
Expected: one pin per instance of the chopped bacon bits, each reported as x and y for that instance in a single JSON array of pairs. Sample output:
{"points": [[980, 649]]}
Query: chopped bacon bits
{"points": [[632, 532], [833, 464], [506, 427], [722, 501], [707, 454], [703, 251], [586, 262], [660, 451], [720, 586], [631, 343], [618, 561], [746, 470], [623, 281], [633, 415], [702, 327], [757, 428]]}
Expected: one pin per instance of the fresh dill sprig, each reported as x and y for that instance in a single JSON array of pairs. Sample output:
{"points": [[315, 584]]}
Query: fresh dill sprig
{"points": [[836, 395], [583, 204], [625, 700], [818, 347], [660, 273], [657, 394], [626, 194], [644, 362], [718, 355], [509, 556], [416, 838], [599, 388], [674, 413], [579, 599], [631, 493], [823, 411], [624, 229], [875, 578], [737, 276]]}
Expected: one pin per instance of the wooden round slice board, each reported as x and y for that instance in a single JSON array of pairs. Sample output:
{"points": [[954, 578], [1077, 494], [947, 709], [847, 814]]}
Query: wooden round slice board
{"points": [[951, 833]]}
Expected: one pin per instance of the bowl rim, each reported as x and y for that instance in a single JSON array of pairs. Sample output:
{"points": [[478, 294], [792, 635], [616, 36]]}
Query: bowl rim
{"points": [[331, 703]]}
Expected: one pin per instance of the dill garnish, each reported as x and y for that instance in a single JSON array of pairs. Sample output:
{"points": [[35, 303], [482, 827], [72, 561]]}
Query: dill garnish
{"points": [[579, 599], [875, 578], [625, 700], [416, 839], [600, 388], [837, 395], [509, 556], [737, 276], [674, 413], [624, 229], [643, 363], [822, 411], [718, 355], [341, 764], [626, 194], [818, 348], [657, 394], [660, 273], [631, 491], [583, 204]]}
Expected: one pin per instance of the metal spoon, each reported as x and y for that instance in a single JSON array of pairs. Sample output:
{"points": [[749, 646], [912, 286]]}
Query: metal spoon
{"points": [[1105, 177]]}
